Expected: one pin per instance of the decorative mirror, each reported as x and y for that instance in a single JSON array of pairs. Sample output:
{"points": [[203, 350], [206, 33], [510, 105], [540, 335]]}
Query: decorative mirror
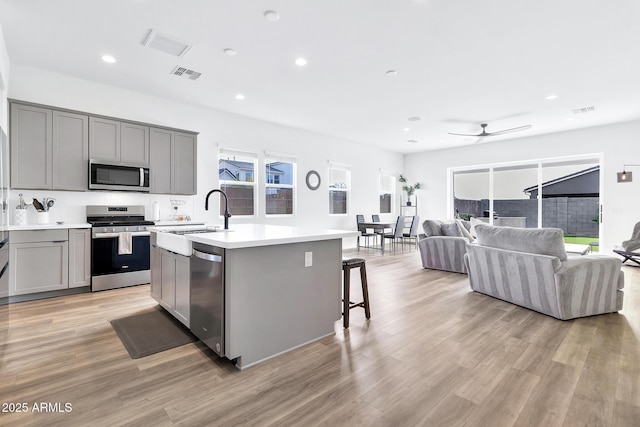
{"points": [[313, 180]]}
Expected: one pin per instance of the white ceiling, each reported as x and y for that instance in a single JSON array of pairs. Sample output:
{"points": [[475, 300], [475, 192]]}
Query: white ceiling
{"points": [[458, 63]]}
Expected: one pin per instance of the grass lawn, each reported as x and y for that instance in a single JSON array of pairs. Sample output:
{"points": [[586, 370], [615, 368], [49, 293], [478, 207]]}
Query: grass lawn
{"points": [[582, 241]]}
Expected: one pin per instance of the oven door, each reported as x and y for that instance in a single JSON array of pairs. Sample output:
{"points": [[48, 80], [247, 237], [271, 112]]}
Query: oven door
{"points": [[105, 258]]}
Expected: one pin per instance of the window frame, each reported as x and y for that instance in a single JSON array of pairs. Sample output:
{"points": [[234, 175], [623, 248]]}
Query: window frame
{"points": [[344, 167], [242, 156], [271, 158]]}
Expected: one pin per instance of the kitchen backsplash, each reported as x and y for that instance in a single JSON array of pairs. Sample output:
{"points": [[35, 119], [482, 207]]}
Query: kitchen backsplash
{"points": [[70, 206]]}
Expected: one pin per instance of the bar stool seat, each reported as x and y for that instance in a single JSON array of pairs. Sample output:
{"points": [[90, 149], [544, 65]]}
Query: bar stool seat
{"points": [[347, 265]]}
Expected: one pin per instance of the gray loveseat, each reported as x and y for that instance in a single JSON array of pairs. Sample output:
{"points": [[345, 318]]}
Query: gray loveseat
{"points": [[443, 245], [530, 268]]}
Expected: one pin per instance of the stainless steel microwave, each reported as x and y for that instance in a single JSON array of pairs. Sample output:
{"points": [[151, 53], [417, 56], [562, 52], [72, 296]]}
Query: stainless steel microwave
{"points": [[117, 176]]}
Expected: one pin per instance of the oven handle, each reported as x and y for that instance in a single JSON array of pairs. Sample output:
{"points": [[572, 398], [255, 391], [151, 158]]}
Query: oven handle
{"points": [[110, 235]]}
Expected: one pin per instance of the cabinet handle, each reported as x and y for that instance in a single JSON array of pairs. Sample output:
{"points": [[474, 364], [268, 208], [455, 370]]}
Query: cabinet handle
{"points": [[59, 241]]}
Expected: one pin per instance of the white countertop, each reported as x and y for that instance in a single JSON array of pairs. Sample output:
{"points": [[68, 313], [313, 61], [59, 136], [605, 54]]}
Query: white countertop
{"points": [[252, 235], [53, 226]]}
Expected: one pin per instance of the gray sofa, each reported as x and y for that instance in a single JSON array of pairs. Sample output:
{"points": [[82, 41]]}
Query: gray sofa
{"points": [[443, 245], [530, 268]]}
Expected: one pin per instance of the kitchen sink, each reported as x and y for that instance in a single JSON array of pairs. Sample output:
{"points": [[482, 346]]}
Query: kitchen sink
{"points": [[173, 240]]}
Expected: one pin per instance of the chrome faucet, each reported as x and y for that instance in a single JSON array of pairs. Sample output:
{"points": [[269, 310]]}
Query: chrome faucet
{"points": [[227, 215]]}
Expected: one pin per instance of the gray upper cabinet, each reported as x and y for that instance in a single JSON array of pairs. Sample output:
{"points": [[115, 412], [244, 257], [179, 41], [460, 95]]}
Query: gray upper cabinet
{"points": [[161, 154], [104, 139], [120, 142], [70, 151], [134, 143], [31, 147], [185, 152], [173, 162], [49, 149]]}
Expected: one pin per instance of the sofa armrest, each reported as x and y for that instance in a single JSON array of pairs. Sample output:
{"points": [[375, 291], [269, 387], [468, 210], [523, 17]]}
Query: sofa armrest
{"points": [[443, 253], [589, 284]]}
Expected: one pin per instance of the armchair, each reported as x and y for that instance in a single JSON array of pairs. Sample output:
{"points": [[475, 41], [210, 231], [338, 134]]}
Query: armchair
{"points": [[443, 245]]}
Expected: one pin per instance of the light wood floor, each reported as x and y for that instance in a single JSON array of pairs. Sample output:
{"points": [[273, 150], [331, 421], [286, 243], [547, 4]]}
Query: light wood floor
{"points": [[433, 353]]}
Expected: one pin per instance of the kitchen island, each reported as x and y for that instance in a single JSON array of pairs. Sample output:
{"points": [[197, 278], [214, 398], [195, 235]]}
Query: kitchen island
{"points": [[281, 286]]}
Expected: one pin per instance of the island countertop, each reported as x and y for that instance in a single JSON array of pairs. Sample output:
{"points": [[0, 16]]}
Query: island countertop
{"points": [[254, 235]]}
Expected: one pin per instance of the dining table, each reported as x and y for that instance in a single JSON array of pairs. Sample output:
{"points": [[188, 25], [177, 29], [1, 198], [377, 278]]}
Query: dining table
{"points": [[364, 226]]}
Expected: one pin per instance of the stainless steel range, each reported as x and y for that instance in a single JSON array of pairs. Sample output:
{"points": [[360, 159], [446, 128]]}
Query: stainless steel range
{"points": [[119, 246]]}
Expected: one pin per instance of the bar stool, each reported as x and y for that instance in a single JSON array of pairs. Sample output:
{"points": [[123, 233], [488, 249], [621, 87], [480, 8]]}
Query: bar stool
{"points": [[347, 265]]}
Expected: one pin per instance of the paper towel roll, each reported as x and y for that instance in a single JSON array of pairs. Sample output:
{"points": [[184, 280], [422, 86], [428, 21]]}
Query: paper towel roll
{"points": [[156, 211]]}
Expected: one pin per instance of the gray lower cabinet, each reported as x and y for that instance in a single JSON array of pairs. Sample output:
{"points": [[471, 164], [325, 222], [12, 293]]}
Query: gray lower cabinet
{"points": [[173, 162], [49, 260], [49, 149], [120, 142], [79, 257], [170, 278], [39, 261]]}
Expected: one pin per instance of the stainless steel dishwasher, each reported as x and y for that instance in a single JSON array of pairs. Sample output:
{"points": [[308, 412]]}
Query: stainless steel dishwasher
{"points": [[207, 296]]}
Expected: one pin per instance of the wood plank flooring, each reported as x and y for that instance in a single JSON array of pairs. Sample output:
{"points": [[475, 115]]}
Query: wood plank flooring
{"points": [[433, 353]]}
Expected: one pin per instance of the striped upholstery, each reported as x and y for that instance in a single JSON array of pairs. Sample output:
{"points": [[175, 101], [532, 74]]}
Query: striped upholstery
{"points": [[577, 287], [443, 253]]}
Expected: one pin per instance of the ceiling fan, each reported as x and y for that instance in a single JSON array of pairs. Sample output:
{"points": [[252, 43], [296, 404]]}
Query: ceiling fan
{"points": [[484, 134]]}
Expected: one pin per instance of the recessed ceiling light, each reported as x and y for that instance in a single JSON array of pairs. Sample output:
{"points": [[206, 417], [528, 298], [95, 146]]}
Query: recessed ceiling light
{"points": [[412, 141], [271, 15], [406, 129], [301, 62], [230, 52], [391, 73], [550, 97], [240, 96], [414, 119], [108, 58]]}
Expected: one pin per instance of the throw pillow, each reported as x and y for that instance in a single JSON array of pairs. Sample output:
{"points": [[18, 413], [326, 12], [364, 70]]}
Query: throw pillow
{"points": [[432, 227], [451, 229], [474, 222], [463, 229]]}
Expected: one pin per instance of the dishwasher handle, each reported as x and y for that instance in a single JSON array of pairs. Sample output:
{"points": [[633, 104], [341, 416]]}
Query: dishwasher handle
{"points": [[207, 257]]}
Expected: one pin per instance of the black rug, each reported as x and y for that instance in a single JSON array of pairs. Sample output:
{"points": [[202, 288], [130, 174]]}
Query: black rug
{"points": [[151, 332]]}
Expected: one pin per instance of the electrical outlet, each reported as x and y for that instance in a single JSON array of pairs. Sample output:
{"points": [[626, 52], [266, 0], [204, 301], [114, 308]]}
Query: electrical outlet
{"points": [[308, 259]]}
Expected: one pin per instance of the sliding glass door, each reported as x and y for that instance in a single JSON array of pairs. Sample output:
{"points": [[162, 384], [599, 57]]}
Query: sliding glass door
{"points": [[562, 193]]}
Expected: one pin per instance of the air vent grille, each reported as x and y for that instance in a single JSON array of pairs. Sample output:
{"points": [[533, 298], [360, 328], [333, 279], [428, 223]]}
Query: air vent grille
{"points": [[584, 110], [186, 73]]}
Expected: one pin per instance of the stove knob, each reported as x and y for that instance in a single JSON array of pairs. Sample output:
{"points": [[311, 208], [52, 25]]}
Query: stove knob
{"points": [[126, 229], [113, 230]]}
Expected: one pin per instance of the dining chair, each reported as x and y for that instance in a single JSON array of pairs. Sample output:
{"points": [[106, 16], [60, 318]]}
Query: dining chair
{"points": [[364, 232], [413, 231], [397, 232]]}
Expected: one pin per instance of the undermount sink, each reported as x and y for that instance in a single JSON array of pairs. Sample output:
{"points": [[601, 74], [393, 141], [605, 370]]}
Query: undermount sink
{"points": [[174, 240]]}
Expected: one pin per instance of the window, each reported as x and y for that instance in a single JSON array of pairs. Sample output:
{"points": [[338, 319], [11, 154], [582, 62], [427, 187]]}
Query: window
{"points": [[387, 192], [339, 183], [236, 171], [279, 185]]}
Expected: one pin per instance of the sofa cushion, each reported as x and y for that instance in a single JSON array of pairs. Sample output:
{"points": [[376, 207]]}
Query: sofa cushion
{"points": [[432, 227], [474, 222], [542, 241], [451, 229]]}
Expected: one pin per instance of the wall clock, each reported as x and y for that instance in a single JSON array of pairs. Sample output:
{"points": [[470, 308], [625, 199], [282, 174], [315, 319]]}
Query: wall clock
{"points": [[313, 180]]}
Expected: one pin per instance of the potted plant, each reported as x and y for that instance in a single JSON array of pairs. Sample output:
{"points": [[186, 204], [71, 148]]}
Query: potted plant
{"points": [[409, 189]]}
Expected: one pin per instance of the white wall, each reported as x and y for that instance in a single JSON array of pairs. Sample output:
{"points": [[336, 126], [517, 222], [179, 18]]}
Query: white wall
{"points": [[215, 127], [4, 80], [617, 142]]}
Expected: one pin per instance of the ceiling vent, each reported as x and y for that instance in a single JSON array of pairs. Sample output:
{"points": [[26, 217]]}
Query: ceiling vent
{"points": [[584, 110], [166, 43], [186, 73]]}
